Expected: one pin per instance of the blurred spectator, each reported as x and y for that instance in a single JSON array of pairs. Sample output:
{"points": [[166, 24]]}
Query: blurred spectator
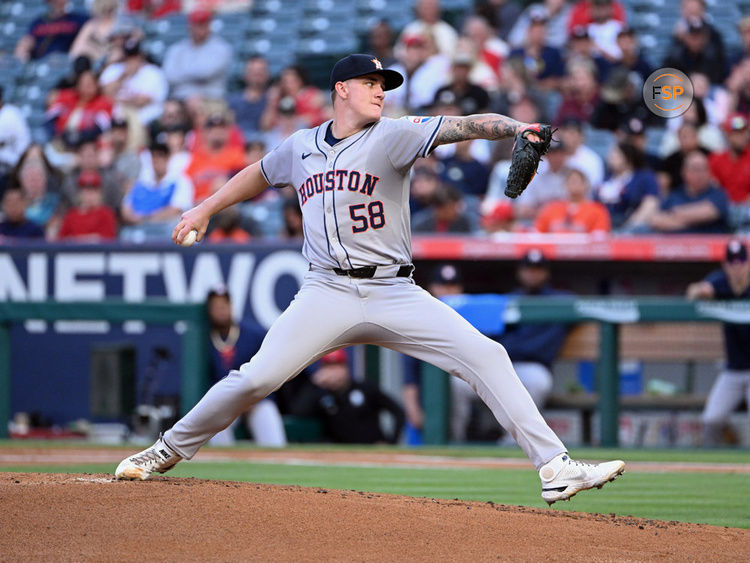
{"points": [[254, 151], [211, 166], [233, 344], [287, 122], [547, 185], [499, 218], [82, 111], [174, 115], [581, 47], [198, 65], [731, 282], [15, 137], [582, 13], [580, 91], [500, 14], [464, 171], [43, 206], [90, 220], [15, 224], [556, 13], [154, 8], [518, 89], [424, 71], [671, 166], [249, 104], [54, 32], [125, 28], [490, 50], [424, 184], [461, 92], [534, 347], [698, 50], [630, 192], [446, 213], [743, 51], [226, 227], [138, 87], [604, 27], [150, 209], [631, 56], [698, 206], [93, 39], [691, 11], [621, 99], [543, 62], [350, 410], [292, 218], [115, 155], [429, 22], [380, 40], [713, 97], [578, 154], [709, 135], [738, 85], [87, 159], [731, 168], [633, 132], [577, 213], [309, 101]]}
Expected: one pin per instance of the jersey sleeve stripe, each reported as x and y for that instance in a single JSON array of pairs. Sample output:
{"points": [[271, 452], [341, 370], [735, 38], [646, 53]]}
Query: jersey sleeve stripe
{"points": [[263, 171], [428, 145]]}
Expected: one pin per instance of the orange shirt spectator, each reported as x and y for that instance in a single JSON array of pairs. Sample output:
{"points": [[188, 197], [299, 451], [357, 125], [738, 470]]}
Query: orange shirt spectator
{"points": [[577, 214], [731, 168], [211, 166]]}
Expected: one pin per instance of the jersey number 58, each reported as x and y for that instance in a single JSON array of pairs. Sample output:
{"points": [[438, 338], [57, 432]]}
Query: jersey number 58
{"points": [[373, 217]]}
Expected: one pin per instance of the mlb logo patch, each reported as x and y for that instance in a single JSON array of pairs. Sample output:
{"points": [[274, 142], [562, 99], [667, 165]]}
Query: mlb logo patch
{"points": [[416, 119]]}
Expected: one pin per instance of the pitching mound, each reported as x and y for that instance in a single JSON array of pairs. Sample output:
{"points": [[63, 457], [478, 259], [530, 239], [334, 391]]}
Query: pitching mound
{"points": [[92, 517]]}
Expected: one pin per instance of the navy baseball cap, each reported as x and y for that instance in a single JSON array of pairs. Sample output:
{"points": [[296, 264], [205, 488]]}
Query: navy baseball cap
{"points": [[534, 258], [358, 64]]}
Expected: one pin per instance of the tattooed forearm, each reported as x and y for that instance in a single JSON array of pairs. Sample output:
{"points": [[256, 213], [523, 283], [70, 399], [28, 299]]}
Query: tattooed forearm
{"points": [[491, 126]]}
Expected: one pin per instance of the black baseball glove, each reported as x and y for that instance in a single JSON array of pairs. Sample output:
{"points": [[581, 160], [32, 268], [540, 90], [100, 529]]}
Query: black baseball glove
{"points": [[526, 156]]}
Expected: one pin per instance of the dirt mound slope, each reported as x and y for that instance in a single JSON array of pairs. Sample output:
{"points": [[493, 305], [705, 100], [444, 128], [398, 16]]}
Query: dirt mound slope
{"points": [[54, 517]]}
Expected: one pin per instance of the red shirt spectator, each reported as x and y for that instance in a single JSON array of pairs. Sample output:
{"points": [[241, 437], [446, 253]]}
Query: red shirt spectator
{"points": [[154, 8], [90, 219], [81, 109], [581, 14], [731, 168]]}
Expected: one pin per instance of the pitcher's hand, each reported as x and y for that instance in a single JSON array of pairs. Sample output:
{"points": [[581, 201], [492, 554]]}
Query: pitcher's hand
{"points": [[195, 218]]}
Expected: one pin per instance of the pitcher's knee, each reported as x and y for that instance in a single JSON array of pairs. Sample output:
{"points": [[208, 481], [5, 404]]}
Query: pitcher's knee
{"points": [[255, 383]]}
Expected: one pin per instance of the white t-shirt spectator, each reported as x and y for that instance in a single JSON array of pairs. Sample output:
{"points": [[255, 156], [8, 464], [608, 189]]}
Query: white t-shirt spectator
{"points": [[445, 36], [604, 36], [14, 135], [198, 70], [588, 162], [149, 81], [418, 90]]}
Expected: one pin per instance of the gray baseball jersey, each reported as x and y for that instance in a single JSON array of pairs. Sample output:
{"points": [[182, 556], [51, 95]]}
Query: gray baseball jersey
{"points": [[355, 205], [354, 195]]}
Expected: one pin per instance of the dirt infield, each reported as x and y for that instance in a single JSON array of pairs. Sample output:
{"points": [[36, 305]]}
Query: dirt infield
{"points": [[53, 517]]}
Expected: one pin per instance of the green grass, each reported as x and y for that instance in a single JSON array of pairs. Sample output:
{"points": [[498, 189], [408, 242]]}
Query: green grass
{"points": [[711, 498]]}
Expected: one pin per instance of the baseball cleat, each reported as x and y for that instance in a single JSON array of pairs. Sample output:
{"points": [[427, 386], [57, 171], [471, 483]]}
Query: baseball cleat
{"points": [[564, 477], [159, 458]]}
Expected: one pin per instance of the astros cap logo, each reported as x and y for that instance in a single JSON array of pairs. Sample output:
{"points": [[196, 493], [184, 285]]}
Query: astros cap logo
{"points": [[377, 64]]}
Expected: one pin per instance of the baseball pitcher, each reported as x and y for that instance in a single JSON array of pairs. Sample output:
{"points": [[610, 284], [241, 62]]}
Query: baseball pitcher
{"points": [[351, 175]]}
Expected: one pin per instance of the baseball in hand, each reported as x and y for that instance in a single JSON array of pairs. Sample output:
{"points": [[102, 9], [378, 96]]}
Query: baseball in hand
{"points": [[189, 238]]}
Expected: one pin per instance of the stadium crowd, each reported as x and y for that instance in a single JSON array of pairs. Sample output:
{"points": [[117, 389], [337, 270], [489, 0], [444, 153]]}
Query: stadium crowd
{"points": [[132, 140]]}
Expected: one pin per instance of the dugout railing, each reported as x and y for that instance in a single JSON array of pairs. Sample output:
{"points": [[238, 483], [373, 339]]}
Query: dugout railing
{"points": [[611, 314], [194, 338]]}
